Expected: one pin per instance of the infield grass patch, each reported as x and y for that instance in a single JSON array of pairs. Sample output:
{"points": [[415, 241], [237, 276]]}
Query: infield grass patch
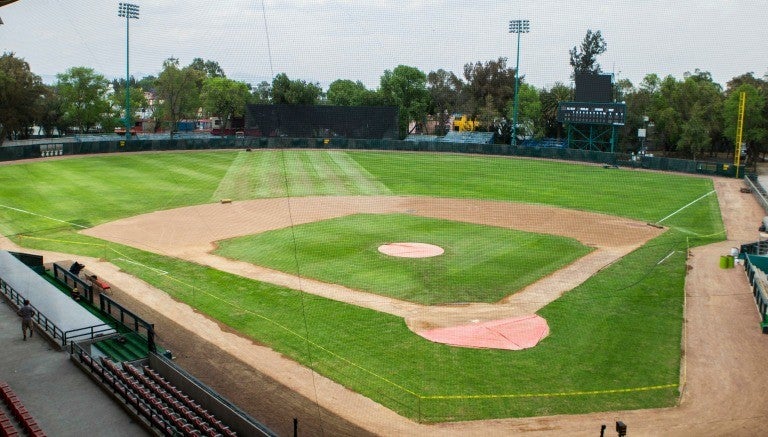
{"points": [[480, 263]]}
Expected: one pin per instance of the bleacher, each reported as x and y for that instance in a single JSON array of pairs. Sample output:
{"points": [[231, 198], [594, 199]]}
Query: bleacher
{"points": [[19, 414], [468, 137], [162, 405], [545, 143], [455, 137], [418, 138]]}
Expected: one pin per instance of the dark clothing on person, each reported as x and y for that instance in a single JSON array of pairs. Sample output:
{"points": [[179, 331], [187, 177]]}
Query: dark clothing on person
{"points": [[27, 313], [76, 267]]}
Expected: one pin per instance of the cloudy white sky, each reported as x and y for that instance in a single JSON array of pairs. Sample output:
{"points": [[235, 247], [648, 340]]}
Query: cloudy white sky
{"points": [[324, 40]]}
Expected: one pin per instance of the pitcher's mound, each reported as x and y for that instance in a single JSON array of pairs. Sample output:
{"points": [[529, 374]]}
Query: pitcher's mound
{"points": [[513, 333], [411, 250]]}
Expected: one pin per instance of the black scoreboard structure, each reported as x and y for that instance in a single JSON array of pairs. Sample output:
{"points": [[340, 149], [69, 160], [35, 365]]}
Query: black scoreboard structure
{"points": [[593, 120]]}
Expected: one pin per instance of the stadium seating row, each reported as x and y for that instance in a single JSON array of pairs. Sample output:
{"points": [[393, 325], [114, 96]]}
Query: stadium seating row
{"points": [[164, 405], [182, 404], [128, 396], [7, 428], [19, 411]]}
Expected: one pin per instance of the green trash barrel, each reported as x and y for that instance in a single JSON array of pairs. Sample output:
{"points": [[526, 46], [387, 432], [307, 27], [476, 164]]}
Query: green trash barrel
{"points": [[730, 261], [723, 262]]}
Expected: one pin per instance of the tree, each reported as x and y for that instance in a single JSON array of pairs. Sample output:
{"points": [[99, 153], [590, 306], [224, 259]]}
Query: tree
{"points": [[147, 83], [344, 92], [261, 93], [488, 88], [51, 116], [225, 98], [406, 88], [681, 110], [584, 58], [621, 88], [755, 129], [639, 103], [85, 98], [20, 91], [695, 136], [138, 100], [761, 85], [550, 100], [207, 68], [294, 92], [529, 117], [177, 92], [445, 93]]}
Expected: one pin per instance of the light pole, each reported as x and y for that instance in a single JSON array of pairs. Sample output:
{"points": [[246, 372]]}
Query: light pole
{"points": [[518, 27], [128, 10]]}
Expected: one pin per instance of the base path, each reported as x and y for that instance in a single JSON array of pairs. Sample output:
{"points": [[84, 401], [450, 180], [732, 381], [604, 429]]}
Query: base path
{"points": [[191, 233]]}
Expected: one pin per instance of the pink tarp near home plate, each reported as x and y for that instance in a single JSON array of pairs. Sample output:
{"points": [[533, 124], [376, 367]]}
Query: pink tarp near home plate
{"points": [[512, 334]]}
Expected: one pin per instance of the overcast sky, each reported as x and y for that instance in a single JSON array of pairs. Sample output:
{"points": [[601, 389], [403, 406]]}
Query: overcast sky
{"points": [[324, 40]]}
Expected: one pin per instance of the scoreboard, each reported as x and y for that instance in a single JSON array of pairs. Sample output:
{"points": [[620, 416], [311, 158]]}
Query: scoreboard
{"points": [[614, 114]]}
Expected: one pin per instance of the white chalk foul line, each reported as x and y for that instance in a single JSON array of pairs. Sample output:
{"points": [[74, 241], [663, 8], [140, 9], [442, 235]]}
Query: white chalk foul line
{"points": [[666, 257], [43, 216], [686, 206]]}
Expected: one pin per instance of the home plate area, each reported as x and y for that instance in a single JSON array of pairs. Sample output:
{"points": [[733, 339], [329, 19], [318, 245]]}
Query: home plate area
{"points": [[512, 333]]}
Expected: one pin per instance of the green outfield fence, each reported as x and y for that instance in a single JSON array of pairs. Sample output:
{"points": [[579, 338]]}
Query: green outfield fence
{"points": [[59, 148]]}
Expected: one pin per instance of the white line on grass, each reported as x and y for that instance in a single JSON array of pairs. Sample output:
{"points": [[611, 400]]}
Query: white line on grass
{"points": [[686, 206], [43, 216], [665, 258]]}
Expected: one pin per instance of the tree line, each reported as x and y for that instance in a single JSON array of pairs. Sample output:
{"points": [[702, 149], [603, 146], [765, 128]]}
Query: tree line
{"points": [[690, 117]]}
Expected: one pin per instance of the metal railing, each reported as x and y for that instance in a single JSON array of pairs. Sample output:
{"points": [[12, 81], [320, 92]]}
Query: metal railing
{"points": [[128, 319], [758, 281], [65, 276], [757, 190], [43, 322]]}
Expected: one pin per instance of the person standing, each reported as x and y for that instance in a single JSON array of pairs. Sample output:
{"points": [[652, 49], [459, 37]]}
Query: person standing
{"points": [[26, 312]]}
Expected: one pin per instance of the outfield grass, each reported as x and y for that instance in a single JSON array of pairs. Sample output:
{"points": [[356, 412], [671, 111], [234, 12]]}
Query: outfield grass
{"points": [[480, 263], [614, 342]]}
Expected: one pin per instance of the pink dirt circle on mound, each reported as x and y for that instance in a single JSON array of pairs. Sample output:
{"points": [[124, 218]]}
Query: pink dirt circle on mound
{"points": [[512, 334], [411, 250]]}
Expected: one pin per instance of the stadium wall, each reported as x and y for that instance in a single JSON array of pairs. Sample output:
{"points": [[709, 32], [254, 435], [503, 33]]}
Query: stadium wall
{"points": [[33, 151]]}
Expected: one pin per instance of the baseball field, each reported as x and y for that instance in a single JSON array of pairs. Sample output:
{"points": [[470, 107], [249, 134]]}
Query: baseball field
{"points": [[317, 217]]}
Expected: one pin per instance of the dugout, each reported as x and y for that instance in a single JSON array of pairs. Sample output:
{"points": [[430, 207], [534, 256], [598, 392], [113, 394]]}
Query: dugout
{"points": [[756, 267], [322, 121]]}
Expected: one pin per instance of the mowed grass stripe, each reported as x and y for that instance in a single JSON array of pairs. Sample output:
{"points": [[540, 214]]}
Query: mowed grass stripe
{"points": [[365, 183], [300, 181], [191, 171], [240, 181], [328, 181], [270, 175]]}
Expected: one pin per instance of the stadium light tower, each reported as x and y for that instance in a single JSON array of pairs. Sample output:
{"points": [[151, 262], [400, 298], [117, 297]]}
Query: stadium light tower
{"points": [[518, 27], [128, 10]]}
